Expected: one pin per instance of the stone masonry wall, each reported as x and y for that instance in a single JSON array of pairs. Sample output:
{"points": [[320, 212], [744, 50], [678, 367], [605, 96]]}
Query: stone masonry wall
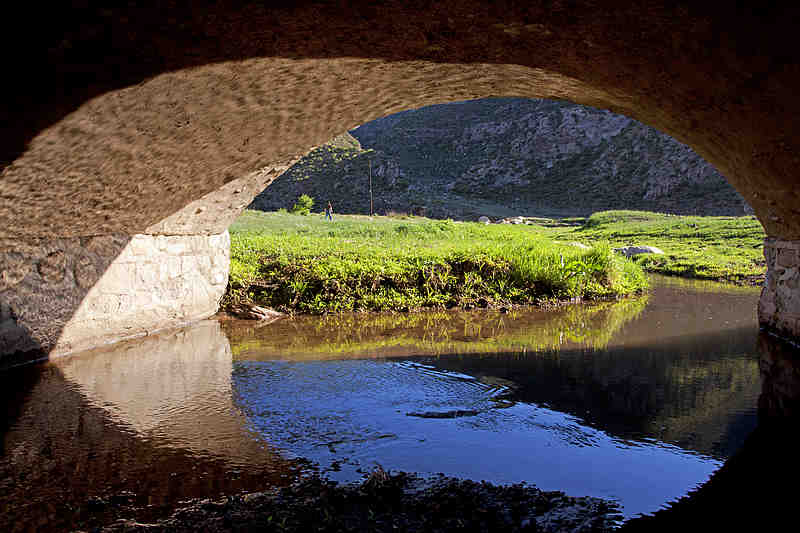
{"points": [[779, 306], [63, 295]]}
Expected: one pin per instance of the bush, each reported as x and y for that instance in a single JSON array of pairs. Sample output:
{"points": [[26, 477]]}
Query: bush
{"points": [[303, 205]]}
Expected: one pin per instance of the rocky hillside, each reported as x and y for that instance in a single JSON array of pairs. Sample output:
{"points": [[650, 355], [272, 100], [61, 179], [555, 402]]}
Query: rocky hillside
{"points": [[502, 157]]}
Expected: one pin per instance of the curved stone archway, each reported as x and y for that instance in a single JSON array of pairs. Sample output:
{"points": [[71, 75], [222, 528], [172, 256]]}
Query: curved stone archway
{"points": [[147, 129]]}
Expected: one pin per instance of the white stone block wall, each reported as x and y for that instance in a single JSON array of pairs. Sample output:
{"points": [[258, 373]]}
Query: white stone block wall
{"points": [[64, 295]]}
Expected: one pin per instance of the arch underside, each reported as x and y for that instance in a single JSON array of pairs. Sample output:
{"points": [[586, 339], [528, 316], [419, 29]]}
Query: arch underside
{"points": [[137, 143]]}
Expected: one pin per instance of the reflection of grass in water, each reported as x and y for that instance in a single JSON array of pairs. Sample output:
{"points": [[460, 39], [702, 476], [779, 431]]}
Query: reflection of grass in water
{"points": [[443, 332], [717, 388], [703, 285]]}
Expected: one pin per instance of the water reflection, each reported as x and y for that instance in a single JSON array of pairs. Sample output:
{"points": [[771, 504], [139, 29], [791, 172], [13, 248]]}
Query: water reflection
{"points": [[436, 332], [173, 389], [676, 308], [638, 400], [633, 400], [152, 417], [754, 489], [695, 391], [350, 415], [779, 363]]}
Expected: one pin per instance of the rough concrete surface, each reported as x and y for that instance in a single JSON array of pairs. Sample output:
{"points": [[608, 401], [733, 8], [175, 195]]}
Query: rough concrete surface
{"points": [[135, 112]]}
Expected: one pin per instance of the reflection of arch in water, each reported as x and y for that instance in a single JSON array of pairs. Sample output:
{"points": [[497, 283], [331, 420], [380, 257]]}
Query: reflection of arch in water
{"points": [[748, 487], [125, 135], [172, 388], [152, 417], [754, 489]]}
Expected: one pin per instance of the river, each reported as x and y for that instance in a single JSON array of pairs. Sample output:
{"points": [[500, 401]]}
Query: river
{"points": [[638, 401]]}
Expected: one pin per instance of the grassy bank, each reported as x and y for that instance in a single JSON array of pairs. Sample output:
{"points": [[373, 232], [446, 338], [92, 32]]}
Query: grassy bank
{"points": [[716, 248], [306, 264]]}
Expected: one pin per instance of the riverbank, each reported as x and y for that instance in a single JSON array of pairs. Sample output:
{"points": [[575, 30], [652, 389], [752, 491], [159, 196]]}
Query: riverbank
{"points": [[306, 264], [387, 503]]}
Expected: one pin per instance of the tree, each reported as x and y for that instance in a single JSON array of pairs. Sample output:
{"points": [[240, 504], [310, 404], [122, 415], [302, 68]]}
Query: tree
{"points": [[303, 205]]}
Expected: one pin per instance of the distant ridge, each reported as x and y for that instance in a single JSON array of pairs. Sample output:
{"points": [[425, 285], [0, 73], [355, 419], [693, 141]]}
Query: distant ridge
{"points": [[506, 156]]}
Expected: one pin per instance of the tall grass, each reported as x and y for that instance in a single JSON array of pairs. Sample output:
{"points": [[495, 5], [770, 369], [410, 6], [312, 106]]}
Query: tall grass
{"points": [[309, 265]]}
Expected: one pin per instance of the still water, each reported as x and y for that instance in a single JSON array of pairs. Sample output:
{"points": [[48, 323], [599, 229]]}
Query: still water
{"points": [[638, 401]]}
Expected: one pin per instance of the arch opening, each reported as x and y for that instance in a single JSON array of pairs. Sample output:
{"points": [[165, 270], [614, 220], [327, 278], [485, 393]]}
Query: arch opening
{"points": [[504, 157]]}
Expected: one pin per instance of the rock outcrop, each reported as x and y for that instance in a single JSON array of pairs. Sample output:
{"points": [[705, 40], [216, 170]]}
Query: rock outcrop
{"points": [[503, 157]]}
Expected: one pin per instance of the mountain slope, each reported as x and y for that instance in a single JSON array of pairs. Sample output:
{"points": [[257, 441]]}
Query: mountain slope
{"points": [[506, 156]]}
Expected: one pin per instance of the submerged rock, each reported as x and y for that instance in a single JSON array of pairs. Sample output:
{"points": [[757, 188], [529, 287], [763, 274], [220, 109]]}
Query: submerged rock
{"points": [[458, 413]]}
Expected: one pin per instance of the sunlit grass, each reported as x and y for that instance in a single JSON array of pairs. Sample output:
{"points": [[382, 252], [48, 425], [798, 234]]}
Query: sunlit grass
{"points": [[307, 264], [715, 248]]}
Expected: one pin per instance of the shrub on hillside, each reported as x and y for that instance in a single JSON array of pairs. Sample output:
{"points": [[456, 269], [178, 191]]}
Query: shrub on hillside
{"points": [[303, 205]]}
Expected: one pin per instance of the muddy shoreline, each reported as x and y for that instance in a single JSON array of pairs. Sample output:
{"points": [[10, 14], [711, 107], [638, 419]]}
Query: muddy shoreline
{"points": [[387, 503]]}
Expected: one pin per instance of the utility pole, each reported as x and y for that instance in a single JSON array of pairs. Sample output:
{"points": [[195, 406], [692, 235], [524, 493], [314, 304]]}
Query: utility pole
{"points": [[370, 186]]}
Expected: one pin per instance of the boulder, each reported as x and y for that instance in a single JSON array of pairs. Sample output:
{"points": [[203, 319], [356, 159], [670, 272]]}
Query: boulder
{"points": [[630, 251], [484, 220]]}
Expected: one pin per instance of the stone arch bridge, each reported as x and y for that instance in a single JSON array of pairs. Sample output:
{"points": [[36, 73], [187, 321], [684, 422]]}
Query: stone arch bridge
{"points": [[142, 131]]}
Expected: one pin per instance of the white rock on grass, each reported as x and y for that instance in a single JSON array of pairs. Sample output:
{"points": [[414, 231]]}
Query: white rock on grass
{"points": [[630, 251]]}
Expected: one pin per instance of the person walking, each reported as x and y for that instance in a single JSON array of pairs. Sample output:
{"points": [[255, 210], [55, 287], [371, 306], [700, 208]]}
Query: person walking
{"points": [[329, 212]]}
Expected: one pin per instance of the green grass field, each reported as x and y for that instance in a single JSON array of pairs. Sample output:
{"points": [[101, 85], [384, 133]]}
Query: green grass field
{"points": [[307, 264], [717, 248]]}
